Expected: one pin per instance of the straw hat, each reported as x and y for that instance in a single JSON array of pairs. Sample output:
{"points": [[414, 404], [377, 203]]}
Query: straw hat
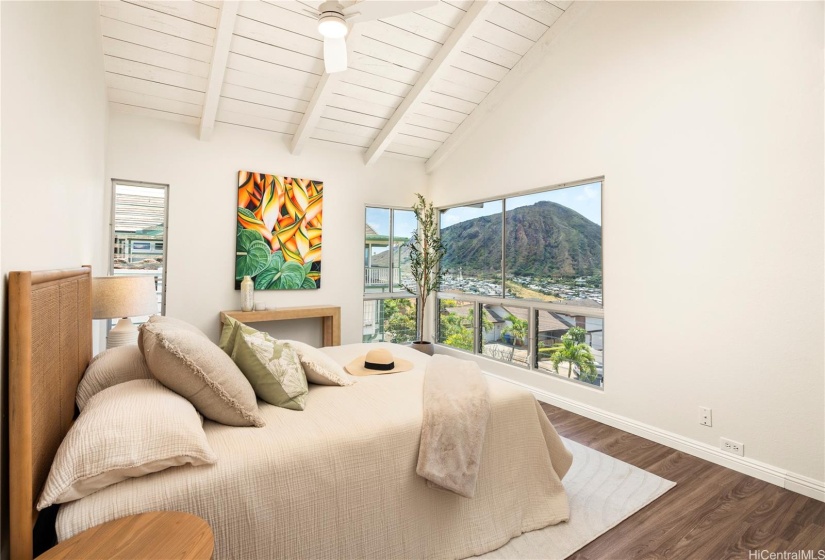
{"points": [[376, 362]]}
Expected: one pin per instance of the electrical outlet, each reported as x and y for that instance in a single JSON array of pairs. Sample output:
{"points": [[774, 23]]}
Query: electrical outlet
{"points": [[705, 418], [732, 446]]}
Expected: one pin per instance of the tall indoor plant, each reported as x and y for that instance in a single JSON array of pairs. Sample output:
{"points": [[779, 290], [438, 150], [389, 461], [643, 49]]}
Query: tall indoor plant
{"points": [[426, 252]]}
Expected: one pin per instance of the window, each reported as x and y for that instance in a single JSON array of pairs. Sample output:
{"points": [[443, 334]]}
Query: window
{"points": [[389, 320], [389, 309], [473, 243], [139, 216], [505, 333], [386, 261], [579, 355], [530, 268], [456, 324]]}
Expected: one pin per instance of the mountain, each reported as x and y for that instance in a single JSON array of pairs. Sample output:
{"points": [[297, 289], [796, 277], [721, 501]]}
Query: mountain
{"points": [[545, 239]]}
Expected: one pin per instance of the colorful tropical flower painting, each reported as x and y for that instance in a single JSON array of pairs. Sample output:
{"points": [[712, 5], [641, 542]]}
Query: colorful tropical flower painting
{"points": [[279, 232]]}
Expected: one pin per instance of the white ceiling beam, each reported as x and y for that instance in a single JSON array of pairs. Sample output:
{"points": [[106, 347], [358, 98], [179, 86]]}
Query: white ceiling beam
{"points": [[320, 97], [512, 81], [220, 54], [476, 15]]}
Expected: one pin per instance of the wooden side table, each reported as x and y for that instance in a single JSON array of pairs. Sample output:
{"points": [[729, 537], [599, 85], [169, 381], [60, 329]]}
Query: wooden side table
{"points": [[330, 314], [170, 535]]}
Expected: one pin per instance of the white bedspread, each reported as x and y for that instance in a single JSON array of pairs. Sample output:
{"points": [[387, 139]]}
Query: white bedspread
{"points": [[338, 480]]}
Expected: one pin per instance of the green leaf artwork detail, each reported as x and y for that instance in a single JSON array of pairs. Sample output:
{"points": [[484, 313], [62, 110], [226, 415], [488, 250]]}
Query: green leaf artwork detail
{"points": [[245, 238], [252, 254], [282, 275], [292, 276], [247, 214], [309, 284], [268, 274]]}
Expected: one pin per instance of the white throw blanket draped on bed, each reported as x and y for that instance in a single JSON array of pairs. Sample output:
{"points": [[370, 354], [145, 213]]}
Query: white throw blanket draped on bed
{"points": [[456, 410]]}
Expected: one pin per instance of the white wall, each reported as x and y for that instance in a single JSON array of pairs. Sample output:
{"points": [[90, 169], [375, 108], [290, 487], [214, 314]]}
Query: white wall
{"points": [[203, 208], [706, 119], [53, 142]]}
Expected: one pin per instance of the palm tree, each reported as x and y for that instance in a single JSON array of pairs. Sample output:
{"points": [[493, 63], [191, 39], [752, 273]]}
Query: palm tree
{"points": [[571, 350], [517, 328]]}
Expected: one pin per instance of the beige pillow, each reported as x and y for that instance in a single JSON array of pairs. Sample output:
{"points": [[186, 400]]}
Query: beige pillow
{"points": [[129, 430], [273, 369], [320, 368], [195, 368], [165, 320], [109, 368]]}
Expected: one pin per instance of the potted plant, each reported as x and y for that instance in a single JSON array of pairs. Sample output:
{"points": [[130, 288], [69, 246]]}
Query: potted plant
{"points": [[425, 252]]}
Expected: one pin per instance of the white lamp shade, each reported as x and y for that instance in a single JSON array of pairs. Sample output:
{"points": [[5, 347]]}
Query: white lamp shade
{"points": [[123, 296], [332, 26]]}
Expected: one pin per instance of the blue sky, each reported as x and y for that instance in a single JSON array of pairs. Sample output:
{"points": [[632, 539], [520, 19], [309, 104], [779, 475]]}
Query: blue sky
{"points": [[584, 199], [379, 220]]}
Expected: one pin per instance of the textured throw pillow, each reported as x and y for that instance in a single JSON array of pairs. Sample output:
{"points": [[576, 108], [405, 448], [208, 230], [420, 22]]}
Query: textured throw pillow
{"points": [[273, 369], [109, 368], [170, 321], [229, 333], [195, 368], [129, 430], [320, 368]]}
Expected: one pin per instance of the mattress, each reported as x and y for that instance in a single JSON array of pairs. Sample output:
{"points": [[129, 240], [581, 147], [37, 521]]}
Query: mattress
{"points": [[338, 480]]}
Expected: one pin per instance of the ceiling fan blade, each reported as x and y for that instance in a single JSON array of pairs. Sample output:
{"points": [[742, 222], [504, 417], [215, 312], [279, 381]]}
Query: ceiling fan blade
{"points": [[335, 54], [380, 9]]}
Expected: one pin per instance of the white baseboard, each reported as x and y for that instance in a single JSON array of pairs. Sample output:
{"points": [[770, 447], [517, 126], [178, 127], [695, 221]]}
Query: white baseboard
{"points": [[757, 469]]}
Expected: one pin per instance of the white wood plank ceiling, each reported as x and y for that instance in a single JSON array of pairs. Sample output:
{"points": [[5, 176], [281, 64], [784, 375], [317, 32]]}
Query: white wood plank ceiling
{"points": [[412, 79]]}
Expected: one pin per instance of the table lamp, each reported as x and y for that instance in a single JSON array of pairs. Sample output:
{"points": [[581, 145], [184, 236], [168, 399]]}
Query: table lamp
{"points": [[123, 297]]}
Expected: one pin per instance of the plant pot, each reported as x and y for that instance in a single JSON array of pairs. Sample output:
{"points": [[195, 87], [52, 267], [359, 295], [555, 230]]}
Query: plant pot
{"points": [[423, 346]]}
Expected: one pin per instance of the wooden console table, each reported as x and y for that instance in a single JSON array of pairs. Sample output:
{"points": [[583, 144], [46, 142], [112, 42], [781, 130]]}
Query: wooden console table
{"points": [[330, 314]]}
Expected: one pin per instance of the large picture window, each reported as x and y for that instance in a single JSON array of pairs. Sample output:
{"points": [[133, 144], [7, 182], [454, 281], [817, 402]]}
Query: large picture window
{"points": [[389, 309], [527, 271]]}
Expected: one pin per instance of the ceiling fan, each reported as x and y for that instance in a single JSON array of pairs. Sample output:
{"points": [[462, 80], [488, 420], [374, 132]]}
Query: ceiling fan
{"points": [[333, 17]]}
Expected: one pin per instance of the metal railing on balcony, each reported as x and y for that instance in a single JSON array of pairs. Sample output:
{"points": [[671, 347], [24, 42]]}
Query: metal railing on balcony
{"points": [[380, 276]]}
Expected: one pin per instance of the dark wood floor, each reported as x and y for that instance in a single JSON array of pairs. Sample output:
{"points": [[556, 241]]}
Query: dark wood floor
{"points": [[712, 513]]}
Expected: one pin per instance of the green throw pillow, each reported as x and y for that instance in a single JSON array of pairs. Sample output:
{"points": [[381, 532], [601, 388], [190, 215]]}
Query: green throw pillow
{"points": [[229, 334], [273, 369]]}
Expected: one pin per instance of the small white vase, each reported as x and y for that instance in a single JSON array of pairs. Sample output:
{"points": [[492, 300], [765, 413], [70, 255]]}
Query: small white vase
{"points": [[247, 294]]}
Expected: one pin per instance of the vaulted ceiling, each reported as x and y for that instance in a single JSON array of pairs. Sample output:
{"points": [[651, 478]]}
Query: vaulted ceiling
{"points": [[412, 82]]}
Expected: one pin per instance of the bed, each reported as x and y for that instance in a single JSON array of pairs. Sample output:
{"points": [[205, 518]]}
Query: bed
{"points": [[336, 480]]}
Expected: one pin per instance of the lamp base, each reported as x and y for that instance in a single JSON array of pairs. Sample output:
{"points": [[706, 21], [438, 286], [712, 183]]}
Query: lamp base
{"points": [[122, 334]]}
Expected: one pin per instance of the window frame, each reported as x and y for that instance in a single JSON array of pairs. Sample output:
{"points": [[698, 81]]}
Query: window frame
{"points": [[144, 184], [532, 305], [391, 292]]}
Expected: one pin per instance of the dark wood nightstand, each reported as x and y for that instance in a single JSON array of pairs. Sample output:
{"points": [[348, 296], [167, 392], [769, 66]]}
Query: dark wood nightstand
{"points": [[170, 535]]}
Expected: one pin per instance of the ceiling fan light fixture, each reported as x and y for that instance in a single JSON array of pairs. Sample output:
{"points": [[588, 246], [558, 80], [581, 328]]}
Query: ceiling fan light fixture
{"points": [[332, 25]]}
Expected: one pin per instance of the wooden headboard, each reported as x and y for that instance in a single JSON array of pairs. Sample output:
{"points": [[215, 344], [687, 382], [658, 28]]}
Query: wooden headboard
{"points": [[50, 345]]}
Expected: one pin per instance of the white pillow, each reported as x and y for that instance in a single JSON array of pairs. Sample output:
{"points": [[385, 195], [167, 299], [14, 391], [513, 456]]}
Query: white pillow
{"points": [[129, 430], [109, 368], [320, 368]]}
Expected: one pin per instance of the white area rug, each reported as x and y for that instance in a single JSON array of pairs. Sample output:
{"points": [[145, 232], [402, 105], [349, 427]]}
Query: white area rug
{"points": [[603, 492]]}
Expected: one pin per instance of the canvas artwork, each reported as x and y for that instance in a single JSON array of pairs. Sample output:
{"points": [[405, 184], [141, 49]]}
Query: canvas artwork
{"points": [[279, 232]]}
